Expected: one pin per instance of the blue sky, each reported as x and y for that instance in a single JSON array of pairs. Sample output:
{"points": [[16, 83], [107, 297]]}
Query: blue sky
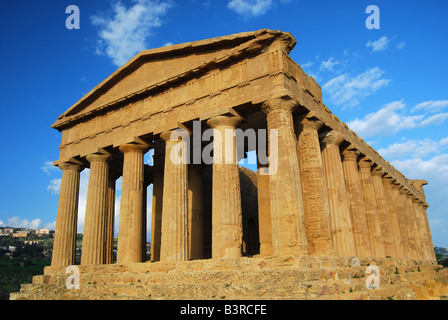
{"points": [[389, 85]]}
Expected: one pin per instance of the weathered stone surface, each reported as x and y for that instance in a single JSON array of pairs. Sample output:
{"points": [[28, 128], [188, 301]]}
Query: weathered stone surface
{"points": [[67, 217], [314, 190], [341, 224], [280, 277], [94, 238], [322, 208]]}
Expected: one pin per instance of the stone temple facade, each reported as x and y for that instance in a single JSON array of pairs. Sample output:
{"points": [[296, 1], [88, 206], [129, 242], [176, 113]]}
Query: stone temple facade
{"points": [[331, 200]]}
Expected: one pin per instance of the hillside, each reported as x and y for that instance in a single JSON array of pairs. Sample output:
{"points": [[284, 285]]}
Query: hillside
{"points": [[441, 251]]}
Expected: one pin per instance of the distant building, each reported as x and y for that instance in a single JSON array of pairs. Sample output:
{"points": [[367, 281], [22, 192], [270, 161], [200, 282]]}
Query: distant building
{"points": [[6, 231], [31, 242], [20, 234], [43, 231]]}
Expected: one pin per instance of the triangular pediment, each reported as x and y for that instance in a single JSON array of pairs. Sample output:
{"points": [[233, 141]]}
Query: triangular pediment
{"points": [[158, 69]]}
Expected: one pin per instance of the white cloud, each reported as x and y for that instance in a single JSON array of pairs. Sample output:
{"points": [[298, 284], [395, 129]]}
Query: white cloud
{"points": [[125, 33], [348, 91], [435, 171], [249, 8], [435, 119], [379, 45], [401, 45], [51, 225], [16, 222], [328, 65], [307, 65], [1, 223], [390, 119], [444, 141], [55, 186], [431, 106], [48, 167], [412, 148]]}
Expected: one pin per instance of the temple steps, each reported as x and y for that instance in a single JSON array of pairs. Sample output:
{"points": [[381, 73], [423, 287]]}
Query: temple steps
{"points": [[246, 278]]}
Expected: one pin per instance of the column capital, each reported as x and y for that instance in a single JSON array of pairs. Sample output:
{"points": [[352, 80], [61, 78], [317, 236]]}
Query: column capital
{"points": [[98, 157], [365, 163], [396, 185], [70, 166], [308, 121], [403, 190], [168, 135], [134, 147], [378, 171], [388, 177], [331, 137], [350, 153], [279, 105], [224, 121]]}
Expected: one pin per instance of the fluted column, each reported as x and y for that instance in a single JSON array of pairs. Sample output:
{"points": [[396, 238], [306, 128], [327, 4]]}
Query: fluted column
{"points": [[131, 224], [421, 206], [227, 228], [195, 211], [67, 217], [389, 194], [356, 202], [432, 253], [314, 189], [373, 218], [408, 223], [342, 231], [174, 242], [157, 199], [110, 217], [383, 214], [396, 186], [94, 239], [413, 227], [287, 215], [421, 230]]}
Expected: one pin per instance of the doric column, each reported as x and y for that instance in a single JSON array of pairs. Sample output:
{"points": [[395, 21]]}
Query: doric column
{"points": [[264, 211], [408, 223], [342, 231], [65, 236], [110, 216], [413, 229], [373, 218], [389, 194], [227, 228], [421, 206], [396, 186], [94, 239], [195, 211], [314, 189], [422, 248], [174, 243], [383, 214], [287, 216], [432, 253], [131, 208], [157, 199], [356, 202]]}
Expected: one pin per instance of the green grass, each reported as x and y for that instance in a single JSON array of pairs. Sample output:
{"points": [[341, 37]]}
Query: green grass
{"points": [[13, 273]]}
